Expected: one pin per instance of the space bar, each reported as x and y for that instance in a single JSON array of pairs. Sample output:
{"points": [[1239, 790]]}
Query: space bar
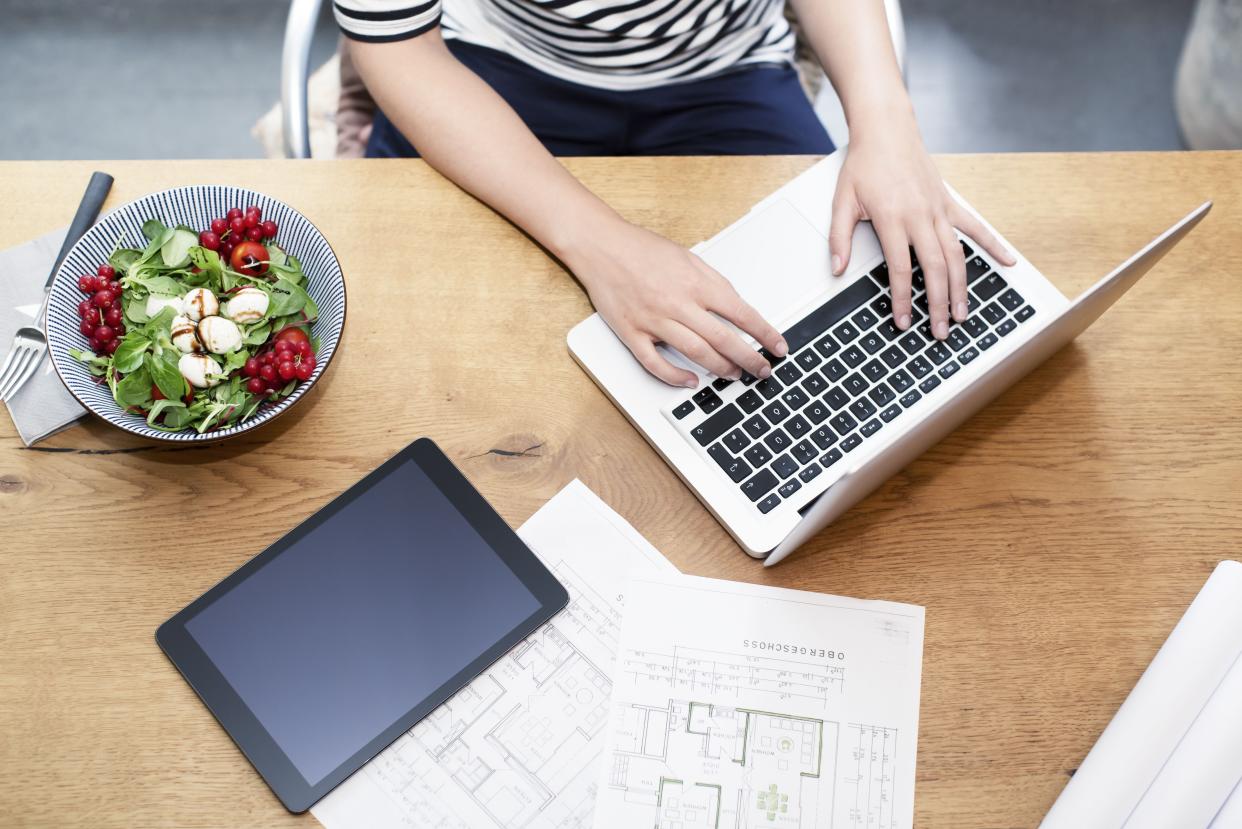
{"points": [[830, 313]]}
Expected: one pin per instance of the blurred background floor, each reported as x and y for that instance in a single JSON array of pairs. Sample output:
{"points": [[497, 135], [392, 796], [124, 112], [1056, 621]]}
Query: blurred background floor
{"points": [[184, 79]]}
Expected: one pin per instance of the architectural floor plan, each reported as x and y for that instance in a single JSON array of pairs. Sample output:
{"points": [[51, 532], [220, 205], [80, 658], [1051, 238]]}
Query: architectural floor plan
{"points": [[737, 706]]}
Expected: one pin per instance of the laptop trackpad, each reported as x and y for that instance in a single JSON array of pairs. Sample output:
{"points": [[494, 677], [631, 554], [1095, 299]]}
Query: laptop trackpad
{"points": [[775, 258]]}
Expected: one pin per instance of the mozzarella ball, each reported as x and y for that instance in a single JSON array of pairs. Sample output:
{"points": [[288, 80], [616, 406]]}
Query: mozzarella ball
{"points": [[184, 335], [200, 303], [219, 335], [199, 370], [155, 304], [247, 305]]}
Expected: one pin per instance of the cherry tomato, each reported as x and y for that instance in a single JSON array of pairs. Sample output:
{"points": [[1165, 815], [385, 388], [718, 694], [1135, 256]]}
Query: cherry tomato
{"points": [[249, 258], [295, 336]]}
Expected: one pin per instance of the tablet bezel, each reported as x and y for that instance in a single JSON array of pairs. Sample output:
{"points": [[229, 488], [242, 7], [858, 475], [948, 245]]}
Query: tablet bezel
{"points": [[293, 790]]}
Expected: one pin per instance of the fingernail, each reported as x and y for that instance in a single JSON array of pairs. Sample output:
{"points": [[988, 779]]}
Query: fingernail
{"points": [[962, 310], [1010, 259], [903, 322], [765, 372], [942, 330], [692, 383], [836, 264], [782, 348], [734, 375]]}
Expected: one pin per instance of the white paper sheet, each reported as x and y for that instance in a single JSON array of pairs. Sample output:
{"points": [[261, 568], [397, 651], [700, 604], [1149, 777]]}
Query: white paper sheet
{"points": [[1173, 752], [520, 746], [743, 705]]}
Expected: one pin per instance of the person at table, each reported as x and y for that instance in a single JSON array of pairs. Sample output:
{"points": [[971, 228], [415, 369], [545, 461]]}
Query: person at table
{"points": [[488, 91]]}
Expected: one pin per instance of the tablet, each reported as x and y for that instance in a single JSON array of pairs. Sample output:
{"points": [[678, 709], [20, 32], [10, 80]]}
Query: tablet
{"points": [[331, 643]]}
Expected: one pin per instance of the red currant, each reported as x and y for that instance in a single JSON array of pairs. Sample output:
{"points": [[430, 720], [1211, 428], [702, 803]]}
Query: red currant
{"points": [[114, 287], [234, 213], [284, 347], [106, 271], [209, 240], [92, 316], [103, 298], [304, 370], [255, 385], [269, 229], [118, 330], [254, 210], [226, 249], [305, 349], [251, 221], [237, 226], [254, 234], [113, 315], [96, 345], [268, 372], [84, 306], [251, 368], [86, 283], [103, 333], [286, 369], [219, 226], [112, 346], [87, 328]]}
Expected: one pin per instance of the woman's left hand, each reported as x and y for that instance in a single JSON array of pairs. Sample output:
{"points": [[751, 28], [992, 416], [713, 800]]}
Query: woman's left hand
{"points": [[889, 179]]}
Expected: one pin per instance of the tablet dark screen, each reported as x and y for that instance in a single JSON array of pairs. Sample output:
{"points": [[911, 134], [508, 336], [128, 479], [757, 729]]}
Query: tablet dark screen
{"points": [[341, 634]]}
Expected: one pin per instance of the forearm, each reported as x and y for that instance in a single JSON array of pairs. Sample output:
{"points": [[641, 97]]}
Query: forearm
{"points": [[852, 40], [467, 132]]}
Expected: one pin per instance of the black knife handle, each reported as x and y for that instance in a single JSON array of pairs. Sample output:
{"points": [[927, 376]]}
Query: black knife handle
{"points": [[88, 212]]}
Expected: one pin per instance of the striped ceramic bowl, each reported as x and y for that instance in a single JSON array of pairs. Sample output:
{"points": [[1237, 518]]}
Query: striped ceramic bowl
{"points": [[195, 207]]}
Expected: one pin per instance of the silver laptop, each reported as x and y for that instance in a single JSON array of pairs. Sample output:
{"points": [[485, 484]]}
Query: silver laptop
{"points": [[856, 399]]}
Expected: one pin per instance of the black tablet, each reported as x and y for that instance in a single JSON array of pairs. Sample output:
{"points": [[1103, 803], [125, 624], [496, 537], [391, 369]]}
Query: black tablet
{"points": [[331, 643]]}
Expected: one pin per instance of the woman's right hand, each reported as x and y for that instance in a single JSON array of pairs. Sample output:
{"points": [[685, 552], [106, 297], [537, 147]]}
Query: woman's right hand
{"points": [[651, 290]]}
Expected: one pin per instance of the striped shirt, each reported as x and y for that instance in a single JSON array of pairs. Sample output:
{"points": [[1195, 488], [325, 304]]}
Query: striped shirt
{"points": [[608, 44]]}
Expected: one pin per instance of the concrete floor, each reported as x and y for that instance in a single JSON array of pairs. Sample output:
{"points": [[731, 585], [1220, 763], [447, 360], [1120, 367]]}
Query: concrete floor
{"points": [[183, 79]]}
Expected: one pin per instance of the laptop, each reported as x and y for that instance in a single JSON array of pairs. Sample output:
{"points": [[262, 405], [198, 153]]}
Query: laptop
{"points": [[856, 399]]}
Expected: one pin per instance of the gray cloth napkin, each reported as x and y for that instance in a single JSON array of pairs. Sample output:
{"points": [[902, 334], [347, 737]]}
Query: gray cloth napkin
{"points": [[43, 406]]}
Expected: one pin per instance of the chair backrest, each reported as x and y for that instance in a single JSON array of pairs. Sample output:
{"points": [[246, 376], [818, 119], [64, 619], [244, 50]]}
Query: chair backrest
{"points": [[295, 70]]}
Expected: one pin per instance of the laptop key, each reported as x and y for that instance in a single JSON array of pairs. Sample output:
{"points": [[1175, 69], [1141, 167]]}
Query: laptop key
{"points": [[843, 423], [889, 330], [1025, 314], [789, 373], [769, 388], [993, 313], [864, 319], [882, 305], [817, 412], [845, 332], [893, 356], [784, 466], [770, 503], [789, 487], [684, 409], [900, 381], [707, 400], [810, 473], [957, 339], [911, 397], [862, 408], [749, 401], [778, 441], [814, 383], [808, 359], [870, 428], [975, 268], [759, 484], [851, 443], [836, 398], [853, 356], [1011, 299], [967, 250], [758, 455], [949, 369], [816, 323], [968, 355], [880, 274], [874, 371], [929, 384], [721, 383], [827, 345], [823, 437], [856, 384], [919, 367], [772, 359], [975, 326], [756, 427], [912, 342], [776, 412], [797, 427], [835, 370], [987, 342], [830, 457], [736, 441], [736, 468], [938, 352], [882, 395], [795, 398], [804, 452], [716, 425], [1005, 327], [871, 342], [990, 286]]}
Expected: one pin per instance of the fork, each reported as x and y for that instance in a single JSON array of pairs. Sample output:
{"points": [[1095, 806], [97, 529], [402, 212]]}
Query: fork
{"points": [[30, 344]]}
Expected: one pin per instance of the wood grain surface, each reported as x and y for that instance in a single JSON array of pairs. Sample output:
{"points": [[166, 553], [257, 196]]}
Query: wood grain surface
{"points": [[1055, 539]]}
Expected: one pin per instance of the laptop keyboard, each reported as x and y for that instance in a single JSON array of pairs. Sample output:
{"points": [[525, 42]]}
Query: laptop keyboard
{"points": [[849, 372]]}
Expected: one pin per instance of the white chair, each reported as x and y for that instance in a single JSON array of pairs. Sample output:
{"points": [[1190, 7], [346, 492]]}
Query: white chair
{"points": [[295, 69]]}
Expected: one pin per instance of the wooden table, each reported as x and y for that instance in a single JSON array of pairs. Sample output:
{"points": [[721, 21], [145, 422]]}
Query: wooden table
{"points": [[1055, 539]]}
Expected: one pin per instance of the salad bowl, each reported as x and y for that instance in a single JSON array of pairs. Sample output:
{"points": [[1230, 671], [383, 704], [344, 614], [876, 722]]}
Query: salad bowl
{"points": [[219, 407]]}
